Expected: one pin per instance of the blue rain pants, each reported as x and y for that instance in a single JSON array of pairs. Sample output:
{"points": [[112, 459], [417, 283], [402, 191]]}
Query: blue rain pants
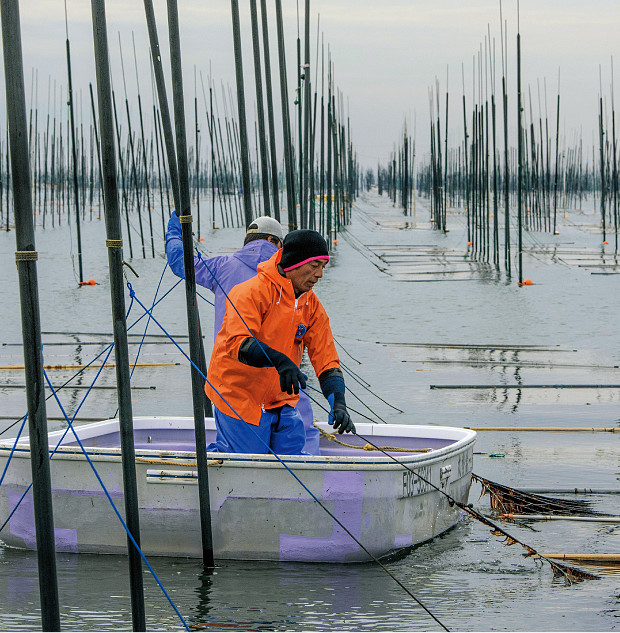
{"points": [[280, 429]]}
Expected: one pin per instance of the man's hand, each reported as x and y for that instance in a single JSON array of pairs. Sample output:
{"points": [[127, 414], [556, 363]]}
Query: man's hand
{"points": [[339, 416], [291, 377], [256, 354]]}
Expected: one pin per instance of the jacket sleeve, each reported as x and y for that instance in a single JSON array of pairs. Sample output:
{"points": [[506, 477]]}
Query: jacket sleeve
{"points": [[319, 341], [174, 254]]}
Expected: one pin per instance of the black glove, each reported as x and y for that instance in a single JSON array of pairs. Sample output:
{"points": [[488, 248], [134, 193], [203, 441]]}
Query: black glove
{"points": [[257, 354], [339, 415], [291, 377]]}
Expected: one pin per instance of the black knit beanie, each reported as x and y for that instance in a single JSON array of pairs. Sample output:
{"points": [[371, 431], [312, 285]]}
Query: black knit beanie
{"points": [[301, 247]]}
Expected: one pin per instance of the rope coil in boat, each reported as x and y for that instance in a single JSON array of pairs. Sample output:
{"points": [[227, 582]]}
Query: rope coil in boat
{"points": [[369, 447]]}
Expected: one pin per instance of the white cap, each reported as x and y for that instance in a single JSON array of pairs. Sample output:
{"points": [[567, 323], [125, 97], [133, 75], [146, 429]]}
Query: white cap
{"points": [[266, 225]]}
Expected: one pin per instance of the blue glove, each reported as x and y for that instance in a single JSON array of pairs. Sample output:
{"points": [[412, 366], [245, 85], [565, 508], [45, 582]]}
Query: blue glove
{"points": [[339, 417]]}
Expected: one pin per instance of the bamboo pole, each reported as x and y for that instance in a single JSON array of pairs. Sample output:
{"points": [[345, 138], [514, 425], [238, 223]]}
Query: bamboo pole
{"points": [[546, 429], [106, 366], [26, 258], [190, 284], [286, 123], [243, 134], [164, 109], [586, 558], [262, 143], [557, 517], [270, 117], [115, 262], [149, 204], [517, 386], [75, 164], [519, 165]]}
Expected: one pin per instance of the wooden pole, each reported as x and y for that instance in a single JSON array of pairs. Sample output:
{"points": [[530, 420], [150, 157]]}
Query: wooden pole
{"points": [[270, 118], [262, 142], [75, 165], [519, 165], [190, 284], [115, 262], [164, 109], [26, 258], [286, 123], [243, 134]]}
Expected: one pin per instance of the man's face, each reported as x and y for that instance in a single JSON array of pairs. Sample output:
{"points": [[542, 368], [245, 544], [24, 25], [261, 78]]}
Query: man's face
{"points": [[304, 277]]}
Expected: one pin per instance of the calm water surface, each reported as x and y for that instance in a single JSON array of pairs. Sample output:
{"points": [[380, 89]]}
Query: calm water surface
{"points": [[409, 311]]}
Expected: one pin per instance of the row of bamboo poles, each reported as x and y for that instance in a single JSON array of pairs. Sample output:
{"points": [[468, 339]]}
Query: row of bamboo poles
{"points": [[313, 186], [486, 178], [123, 180]]}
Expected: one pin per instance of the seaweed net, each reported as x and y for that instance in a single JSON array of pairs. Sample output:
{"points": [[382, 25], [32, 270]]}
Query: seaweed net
{"points": [[512, 501]]}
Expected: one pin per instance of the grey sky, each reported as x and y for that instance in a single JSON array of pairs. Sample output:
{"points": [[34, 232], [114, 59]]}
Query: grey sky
{"points": [[387, 54]]}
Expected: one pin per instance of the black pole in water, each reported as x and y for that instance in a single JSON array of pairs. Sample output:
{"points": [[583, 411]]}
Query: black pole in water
{"points": [[163, 101], [557, 158], [190, 283], [97, 145], [305, 153], [114, 244], [286, 123], [75, 165], [26, 258], [270, 118], [264, 172], [243, 134], [520, 163]]}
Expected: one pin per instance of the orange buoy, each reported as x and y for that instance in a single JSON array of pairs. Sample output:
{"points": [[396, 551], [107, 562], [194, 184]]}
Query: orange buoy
{"points": [[605, 242], [527, 282], [335, 241], [201, 239], [469, 243], [90, 282]]}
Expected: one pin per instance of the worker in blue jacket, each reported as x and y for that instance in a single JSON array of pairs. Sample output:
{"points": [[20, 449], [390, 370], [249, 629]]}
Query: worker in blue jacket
{"points": [[263, 238]]}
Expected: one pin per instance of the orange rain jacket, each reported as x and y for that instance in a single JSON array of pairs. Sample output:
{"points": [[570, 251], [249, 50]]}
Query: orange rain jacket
{"points": [[268, 306]]}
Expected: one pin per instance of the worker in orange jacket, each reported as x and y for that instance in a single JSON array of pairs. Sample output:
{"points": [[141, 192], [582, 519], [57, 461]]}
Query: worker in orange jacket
{"points": [[254, 374]]}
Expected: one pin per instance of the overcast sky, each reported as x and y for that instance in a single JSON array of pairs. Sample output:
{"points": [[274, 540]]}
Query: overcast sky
{"points": [[387, 55]]}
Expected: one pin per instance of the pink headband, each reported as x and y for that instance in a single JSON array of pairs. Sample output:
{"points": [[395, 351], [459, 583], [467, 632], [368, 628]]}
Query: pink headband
{"points": [[310, 259]]}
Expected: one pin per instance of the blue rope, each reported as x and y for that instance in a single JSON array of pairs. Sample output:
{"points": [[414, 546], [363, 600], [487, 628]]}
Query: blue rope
{"points": [[146, 327], [205, 299], [70, 427], [8, 461], [59, 441], [107, 494]]}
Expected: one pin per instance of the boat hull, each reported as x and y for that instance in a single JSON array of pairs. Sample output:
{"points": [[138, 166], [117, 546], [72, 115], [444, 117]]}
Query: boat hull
{"points": [[259, 510]]}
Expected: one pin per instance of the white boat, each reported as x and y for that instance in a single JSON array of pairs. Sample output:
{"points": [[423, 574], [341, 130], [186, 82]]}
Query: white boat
{"points": [[259, 511]]}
